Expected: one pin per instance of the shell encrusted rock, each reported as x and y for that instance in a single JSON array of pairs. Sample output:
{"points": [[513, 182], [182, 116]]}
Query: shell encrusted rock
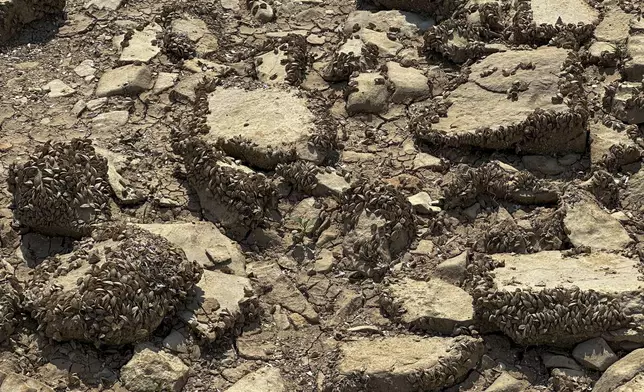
{"points": [[115, 288], [10, 298], [249, 196], [62, 189]]}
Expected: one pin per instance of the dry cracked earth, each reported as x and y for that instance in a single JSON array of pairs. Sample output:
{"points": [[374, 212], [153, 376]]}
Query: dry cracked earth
{"points": [[309, 195]]}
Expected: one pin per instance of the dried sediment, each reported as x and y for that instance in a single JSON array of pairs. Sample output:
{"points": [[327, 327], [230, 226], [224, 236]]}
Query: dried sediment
{"points": [[16, 13], [502, 106], [10, 300], [62, 189], [380, 224], [495, 181], [114, 288], [238, 199], [531, 298]]}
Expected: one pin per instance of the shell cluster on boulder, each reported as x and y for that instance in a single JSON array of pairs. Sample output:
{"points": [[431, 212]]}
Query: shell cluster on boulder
{"points": [[62, 189], [115, 288]]}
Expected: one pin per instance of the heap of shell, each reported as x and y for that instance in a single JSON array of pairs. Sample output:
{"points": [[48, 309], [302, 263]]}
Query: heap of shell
{"points": [[251, 196], [345, 61], [177, 46], [114, 288], [541, 316], [621, 108], [492, 180], [10, 299], [300, 174], [297, 57], [61, 189], [464, 353], [372, 255], [440, 39], [604, 188]]}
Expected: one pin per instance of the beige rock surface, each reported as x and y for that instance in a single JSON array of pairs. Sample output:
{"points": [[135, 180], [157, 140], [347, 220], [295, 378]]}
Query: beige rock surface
{"points": [[266, 379], [150, 371]]}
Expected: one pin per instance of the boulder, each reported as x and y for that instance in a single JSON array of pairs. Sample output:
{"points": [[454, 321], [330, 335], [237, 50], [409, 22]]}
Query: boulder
{"points": [[409, 83], [434, 306], [547, 298], [594, 354], [483, 115], [405, 363], [266, 379], [625, 375], [126, 80], [151, 371]]}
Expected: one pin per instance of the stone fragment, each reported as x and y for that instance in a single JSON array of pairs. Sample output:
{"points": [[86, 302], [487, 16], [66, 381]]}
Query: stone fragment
{"points": [[165, 81], [625, 375], [14, 382], [603, 142], [204, 243], [434, 306], [76, 24], [634, 66], [222, 304], [437, 9], [626, 103], [409, 83], [453, 270], [123, 192], [603, 53], [126, 80], [110, 121], [324, 262], [594, 354], [96, 104], [270, 67], [542, 164], [614, 26], [409, 24], [427, 161], [111, 5], [199, 65], [142, 47], [424, 248], [587, 224], [85, 69], [266, 379], [57, 88], [370, 94], [421, 202], [150, 371], [386, 47], [284, 292], [232, 5], [559, 361], [330, 184], [549, 12], [634, 195], [262, 127], [176, 342], [405, 363], [184, 91], [592, 284], [262, 11], [506, 383], [482, 115]]}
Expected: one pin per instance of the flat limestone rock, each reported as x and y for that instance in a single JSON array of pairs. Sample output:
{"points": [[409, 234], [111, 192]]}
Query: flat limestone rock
{"points": [[405, 363], [634, 199], [625, 375], [435, 305], [571, 11], [266, 379], [203, 243], [220, 305], [409, 24], [603, 139], [587, 224], [634, 67], [154, 371], [614, 26], [126, 80], [141, 47], [546, 298], [274, 122], [482, 115]]}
